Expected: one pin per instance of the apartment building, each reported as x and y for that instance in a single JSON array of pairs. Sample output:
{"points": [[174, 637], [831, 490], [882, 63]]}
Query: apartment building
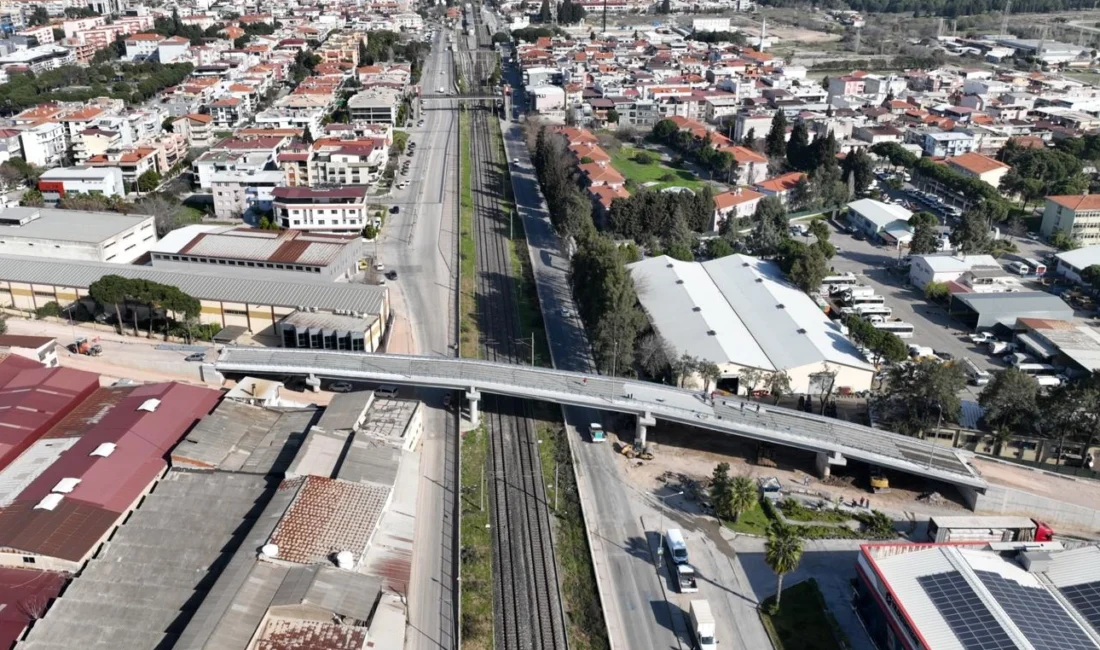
{"points": [[44, 144], [341, 209], [237, 192], [378, 105], [39, 59], [142, 47], [1077, 215], [133, 162]]}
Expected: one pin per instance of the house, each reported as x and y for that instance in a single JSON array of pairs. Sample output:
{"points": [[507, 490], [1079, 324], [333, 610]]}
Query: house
{"points": [[1076, 215], [596, 174], [780, 187], [752, 167], [983, 168], [738, 203]]}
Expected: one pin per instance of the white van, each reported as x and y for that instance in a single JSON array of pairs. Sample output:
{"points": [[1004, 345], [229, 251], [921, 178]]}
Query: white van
{"points": [[976, 375], [677, 547], [386, 390]]}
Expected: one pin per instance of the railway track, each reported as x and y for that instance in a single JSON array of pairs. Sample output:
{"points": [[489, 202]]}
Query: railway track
{"points": [[527, 598]]}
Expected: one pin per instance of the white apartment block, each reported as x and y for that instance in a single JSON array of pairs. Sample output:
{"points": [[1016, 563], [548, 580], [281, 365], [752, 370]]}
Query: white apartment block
{"points": [[342, 209], [44, 145]]}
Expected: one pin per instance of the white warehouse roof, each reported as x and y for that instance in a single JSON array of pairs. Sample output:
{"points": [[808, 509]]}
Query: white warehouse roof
{"points": [[739, 309], [955, 264], [879, 213]]}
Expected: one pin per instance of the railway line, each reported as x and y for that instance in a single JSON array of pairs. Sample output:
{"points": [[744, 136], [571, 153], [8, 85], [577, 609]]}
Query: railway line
{"points": [[528, 613]]}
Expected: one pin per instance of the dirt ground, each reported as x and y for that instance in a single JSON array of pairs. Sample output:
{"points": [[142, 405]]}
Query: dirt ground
{"points": [[793, 468], [1080, 492]]}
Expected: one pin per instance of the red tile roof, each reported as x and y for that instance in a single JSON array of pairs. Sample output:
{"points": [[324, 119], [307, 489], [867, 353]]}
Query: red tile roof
{"points": [[727, 200], [976, 163], [780, 184], [327, 515], [1077, 201]]}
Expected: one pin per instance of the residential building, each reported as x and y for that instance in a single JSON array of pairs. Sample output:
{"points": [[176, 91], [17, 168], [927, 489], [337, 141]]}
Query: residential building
{"points": [[142, 47], [133, 162], [983, 168], [40, 349], [945, 144], [329, 210], [38, 59], [379, 105], [44, 144], [738, 203], [236, 193], [1076, 215], [199, 129], [76, 234], [173, 49], [59, 181], [780, 187], [741, 313]]}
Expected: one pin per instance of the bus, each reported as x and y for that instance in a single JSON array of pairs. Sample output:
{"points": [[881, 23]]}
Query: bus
{"points": [[1037, 267], [831, 282], [974, 374], [1035, 369], [867, 310], [899, 328], [864, 300]]}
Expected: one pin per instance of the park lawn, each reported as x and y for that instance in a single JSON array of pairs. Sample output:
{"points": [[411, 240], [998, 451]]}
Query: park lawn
{"points": [[751, 522], [803, 621], [623, 161]]}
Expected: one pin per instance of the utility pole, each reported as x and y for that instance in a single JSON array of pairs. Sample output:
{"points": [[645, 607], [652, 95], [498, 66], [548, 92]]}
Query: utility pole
{"points": [[533, 353], [557, 487], [859, 34], [1004, 18]]}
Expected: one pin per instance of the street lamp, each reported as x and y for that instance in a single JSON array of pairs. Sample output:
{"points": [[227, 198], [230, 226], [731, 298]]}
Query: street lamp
{"points": [[932, 446], [660, 533]]}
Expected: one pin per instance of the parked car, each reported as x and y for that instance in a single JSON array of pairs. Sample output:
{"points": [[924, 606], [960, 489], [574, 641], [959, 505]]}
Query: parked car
{"points": [[981, 338], [340, 387], [196, 356]]}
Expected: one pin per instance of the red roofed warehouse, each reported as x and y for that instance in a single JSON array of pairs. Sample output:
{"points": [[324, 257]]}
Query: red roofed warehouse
{"points": [[62, 498]]}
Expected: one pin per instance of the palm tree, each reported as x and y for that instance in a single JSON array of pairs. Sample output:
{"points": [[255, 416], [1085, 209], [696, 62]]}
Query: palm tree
{"points": [[782, 553], [743, 495], [710, 372]]}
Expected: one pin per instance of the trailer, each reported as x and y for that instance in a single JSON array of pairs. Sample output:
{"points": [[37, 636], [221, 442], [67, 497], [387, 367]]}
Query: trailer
{"points": [[988, 529], [702, 625]]}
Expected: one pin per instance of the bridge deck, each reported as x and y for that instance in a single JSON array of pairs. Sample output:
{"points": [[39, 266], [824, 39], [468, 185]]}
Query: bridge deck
{"points": [[731, 415]]}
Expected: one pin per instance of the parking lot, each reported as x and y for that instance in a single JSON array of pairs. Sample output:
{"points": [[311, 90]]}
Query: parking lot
{"points": [[876, 266]]}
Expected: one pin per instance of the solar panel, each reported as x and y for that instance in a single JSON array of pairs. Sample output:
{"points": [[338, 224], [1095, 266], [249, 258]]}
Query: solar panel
{"points": [[1037, 613], [1085, 598], [966, 615]]}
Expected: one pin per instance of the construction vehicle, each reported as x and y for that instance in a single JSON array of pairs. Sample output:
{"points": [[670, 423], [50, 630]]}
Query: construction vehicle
{"points": [[635, 450], [85, 347], [879, 482]]}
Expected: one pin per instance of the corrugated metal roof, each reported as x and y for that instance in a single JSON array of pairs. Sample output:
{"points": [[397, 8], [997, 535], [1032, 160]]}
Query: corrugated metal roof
{"points": [[1007, 307], [758, 318], [70, 225], [327, 516], [138, 592], [23, 593], [345, 593], [209, 284], [29, 465], [240, 437], [345, 410]]}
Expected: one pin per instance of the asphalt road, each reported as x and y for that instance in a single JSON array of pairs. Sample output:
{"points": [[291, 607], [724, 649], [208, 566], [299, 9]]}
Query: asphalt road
{"points": [[418, 243]]}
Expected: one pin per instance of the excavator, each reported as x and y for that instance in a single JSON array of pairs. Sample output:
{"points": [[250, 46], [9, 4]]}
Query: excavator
{"points": [[85, 347]]}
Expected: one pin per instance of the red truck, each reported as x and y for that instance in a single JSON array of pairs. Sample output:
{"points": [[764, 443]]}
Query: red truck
{"points": [[988, 529]]}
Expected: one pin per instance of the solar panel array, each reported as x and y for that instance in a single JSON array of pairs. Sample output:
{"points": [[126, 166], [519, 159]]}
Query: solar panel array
{"points": [[1085, 598], [966, 615], [1037, 613]]}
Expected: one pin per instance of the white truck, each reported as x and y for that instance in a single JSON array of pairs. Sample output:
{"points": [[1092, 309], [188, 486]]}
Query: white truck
{"points": [[702, 625], [685, 578]]}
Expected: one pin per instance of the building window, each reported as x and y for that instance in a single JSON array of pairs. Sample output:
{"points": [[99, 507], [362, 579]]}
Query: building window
{"points": [[28, 559]]}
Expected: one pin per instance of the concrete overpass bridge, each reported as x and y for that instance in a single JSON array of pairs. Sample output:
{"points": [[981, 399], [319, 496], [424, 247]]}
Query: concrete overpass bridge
{"points": [[833, 441], [462, 97]]}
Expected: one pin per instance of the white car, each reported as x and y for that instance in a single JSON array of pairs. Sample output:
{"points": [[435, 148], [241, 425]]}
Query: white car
{"points": [[340, 387], [981, 338], [515, 161]]}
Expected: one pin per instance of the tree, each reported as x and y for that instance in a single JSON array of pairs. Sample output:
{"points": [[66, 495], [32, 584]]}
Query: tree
{"points": [[32, 198], [653, 355], [1090, 275], [810, 269], [820, 230], [110, 290], [710, 372], [926, 239], [743, 496], [888, 347], [859, 165], [665, 7], [748, 379], [971, 236], [10, 176], [769, 226], [779, 384], [664, 131], [782, 554], [936, 291], [612, 116], [684, 367], [718, 247], [721, 494], [148, 181], [1064, 242], [750, 140], [39, 16], [166, 211], [775, 144], [920, 394], [798, 147], [545, 17], [1010, 402]]}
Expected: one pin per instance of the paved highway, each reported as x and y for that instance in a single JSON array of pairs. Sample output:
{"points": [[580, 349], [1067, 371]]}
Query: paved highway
{"points": [[634, 604], [419, 243]]}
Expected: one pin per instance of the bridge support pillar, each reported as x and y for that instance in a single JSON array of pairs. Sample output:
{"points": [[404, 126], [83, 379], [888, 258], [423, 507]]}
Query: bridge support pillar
{"points": [[474, 397], [825, 461], [313, 383], [645, 420]]}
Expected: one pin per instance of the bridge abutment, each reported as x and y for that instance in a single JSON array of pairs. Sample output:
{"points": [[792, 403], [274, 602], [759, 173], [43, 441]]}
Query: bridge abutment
{"points": [[825, 461]]}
